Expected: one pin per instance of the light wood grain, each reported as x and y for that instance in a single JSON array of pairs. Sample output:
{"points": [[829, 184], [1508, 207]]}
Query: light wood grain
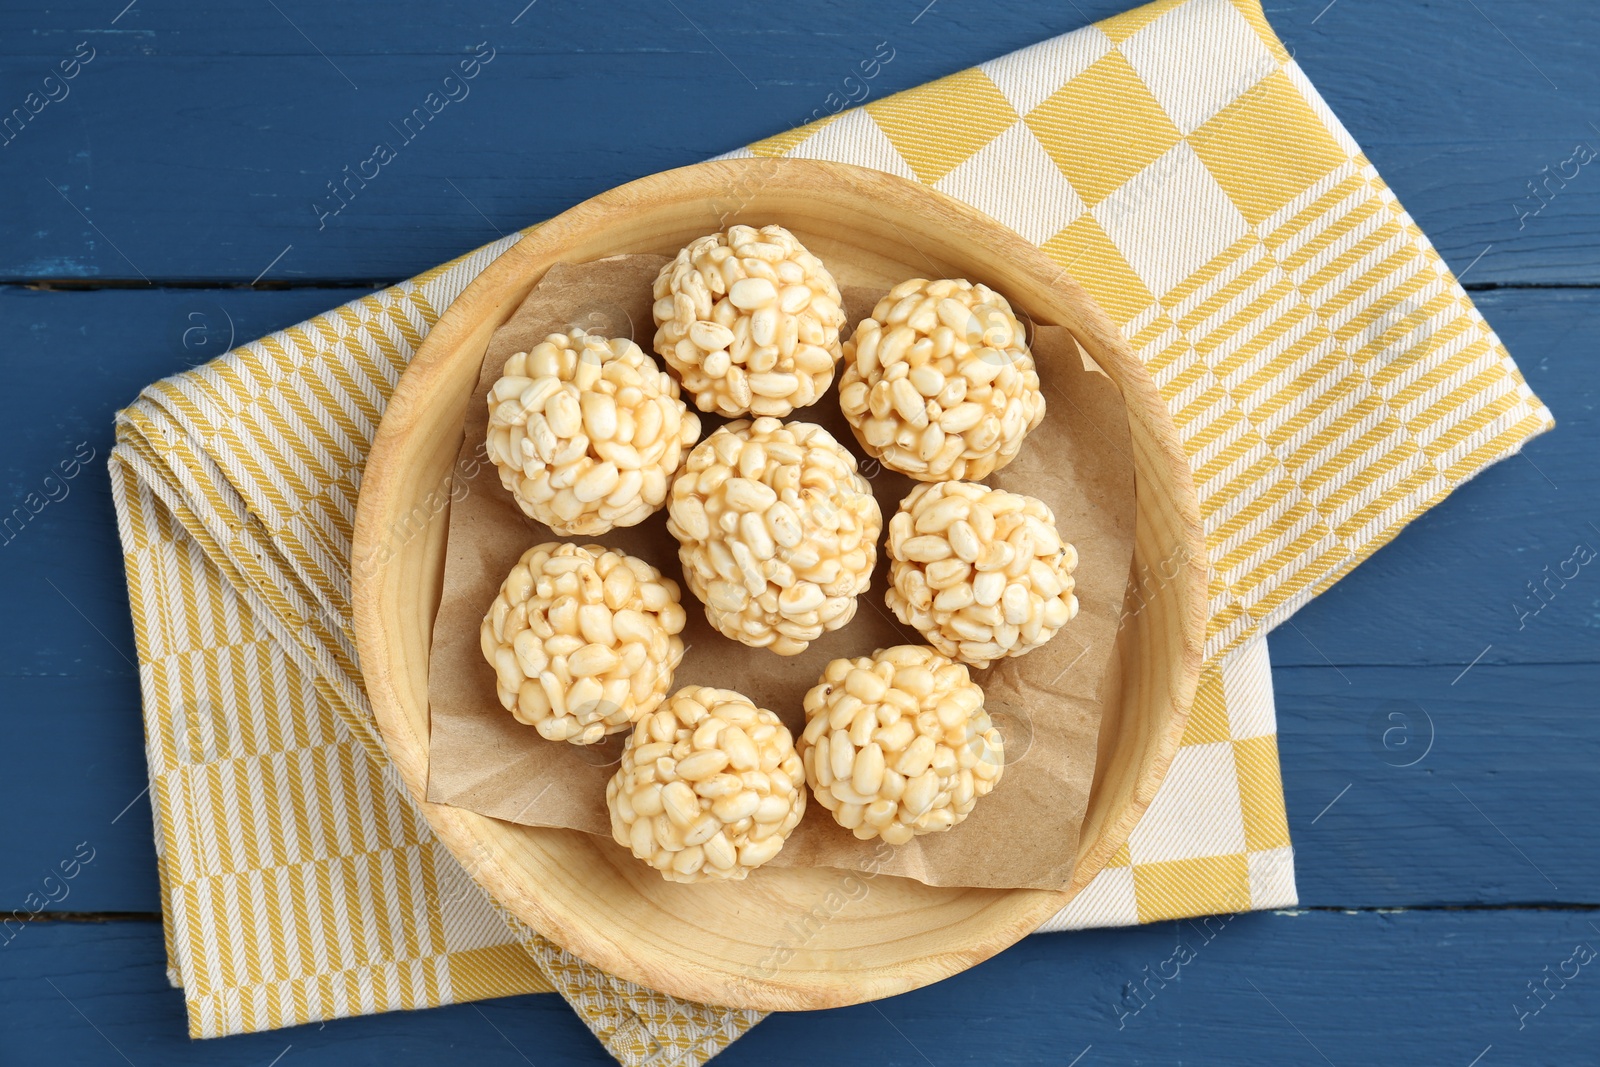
{"points": [[717, 943]]}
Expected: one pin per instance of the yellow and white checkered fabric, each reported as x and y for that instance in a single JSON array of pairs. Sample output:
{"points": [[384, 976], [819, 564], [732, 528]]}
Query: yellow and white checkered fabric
{"points": [[1330, 378]]}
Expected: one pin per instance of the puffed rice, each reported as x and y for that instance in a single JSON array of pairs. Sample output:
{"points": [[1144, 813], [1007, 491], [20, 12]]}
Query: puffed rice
{"points": [[777, 532], [709, 787], [980, 572], [583, 640], [939, 383], [750, 319], [587, 433], [898, 743]]}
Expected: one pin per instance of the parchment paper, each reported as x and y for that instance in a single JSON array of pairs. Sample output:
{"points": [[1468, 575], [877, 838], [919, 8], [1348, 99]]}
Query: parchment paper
{"points": [[1046, 703]]}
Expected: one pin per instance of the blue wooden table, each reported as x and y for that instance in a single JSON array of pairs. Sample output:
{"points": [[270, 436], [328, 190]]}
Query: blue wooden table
{"points": [[1451, 904]]}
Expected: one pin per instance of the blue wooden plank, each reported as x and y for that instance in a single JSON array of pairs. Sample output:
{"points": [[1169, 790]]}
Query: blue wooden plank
{"points": [[536, 133], [1264, 989], [172, 146], [73, 698], [1424, 785], [75, 764], [195, 144]]}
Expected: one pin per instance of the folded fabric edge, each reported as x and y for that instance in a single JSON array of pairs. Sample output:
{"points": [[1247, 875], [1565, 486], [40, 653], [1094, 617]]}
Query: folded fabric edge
{"points": [[618, 1015], [177, 958]]}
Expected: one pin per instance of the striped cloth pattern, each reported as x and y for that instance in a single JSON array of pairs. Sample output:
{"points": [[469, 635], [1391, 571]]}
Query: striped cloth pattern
{"points": [[1330, 378]]}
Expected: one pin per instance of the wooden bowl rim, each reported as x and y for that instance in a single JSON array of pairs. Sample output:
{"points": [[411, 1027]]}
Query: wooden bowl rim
{"points": [[454, 826]]}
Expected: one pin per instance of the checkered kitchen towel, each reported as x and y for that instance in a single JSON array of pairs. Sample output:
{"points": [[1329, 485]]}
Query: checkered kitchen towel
{"points": [[1330, 378]]}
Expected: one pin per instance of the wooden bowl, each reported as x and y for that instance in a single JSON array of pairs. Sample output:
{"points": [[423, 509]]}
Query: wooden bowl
{"points": [[787, 938]]}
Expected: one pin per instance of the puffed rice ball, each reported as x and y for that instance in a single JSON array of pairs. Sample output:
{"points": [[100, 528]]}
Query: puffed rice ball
{"points": [[750, 320], [898, 743], [939, 383], [981, 572], [777, 532], [583, 640], [709, 787], [587, 432]]}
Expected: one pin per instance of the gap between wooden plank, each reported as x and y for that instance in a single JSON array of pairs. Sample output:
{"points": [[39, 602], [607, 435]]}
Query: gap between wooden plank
{"points": [[1330, 909], [156, 284]]}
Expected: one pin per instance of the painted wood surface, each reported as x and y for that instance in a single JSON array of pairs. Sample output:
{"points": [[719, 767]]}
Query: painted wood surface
{"points": [[190, 151], [198, 140], [1262, 990]]}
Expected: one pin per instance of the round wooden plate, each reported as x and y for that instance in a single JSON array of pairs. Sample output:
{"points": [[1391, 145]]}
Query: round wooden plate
{"points": [[785, 939]]}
